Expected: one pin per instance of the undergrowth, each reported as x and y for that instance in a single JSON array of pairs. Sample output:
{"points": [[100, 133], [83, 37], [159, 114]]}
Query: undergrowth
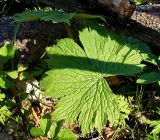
{"points": [[103, 85]]}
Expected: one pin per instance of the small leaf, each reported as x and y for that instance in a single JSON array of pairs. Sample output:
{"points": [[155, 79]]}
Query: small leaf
{"points": [[124, 109], [149, 58], [6, 53], [140, 1], [36, 132], [24, 75], [55, 129], [2, 96], [45, 123], [4, 81], [21, 68], [147, 78], [52, 131], [58, 128], [4, 113], [66, 134], [153, 137], [155, 124], [13, 74]]}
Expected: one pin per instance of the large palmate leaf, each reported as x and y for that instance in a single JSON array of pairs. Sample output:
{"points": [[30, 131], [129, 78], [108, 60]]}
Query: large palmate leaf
{"points": [[76, 76]]}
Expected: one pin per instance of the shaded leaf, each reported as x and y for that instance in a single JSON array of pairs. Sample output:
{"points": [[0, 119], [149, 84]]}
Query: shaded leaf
{"points": [[147, 78], [59, 16], [4, 81], [55, 16], [30, 16], [6, 53]]}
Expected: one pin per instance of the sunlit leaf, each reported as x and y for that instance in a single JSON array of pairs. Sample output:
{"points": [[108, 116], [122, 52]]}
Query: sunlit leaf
{"points": [[66, 134], [36, 132], [13, 74], [6, 53], [77, 77]]}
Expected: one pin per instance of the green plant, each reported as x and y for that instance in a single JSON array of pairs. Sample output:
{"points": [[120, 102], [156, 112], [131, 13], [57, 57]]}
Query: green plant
{"points": [[140, 1], [4, 111], [77, 76], [153, 137], [55, 16], [156, 127], [52, 130], [153, 76], [6, 53], [147, 78]]}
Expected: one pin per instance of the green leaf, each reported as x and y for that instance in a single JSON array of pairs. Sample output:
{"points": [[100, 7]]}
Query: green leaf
{"points": [[66, 134], [55, 16], [140, 1], [145, 51], [147, 78], [58, 127], [59, 16], [124, 109], [77, 77], [21, 68], [2, 96], [4, 81], [55, 129], [30, 16], [52, 131], [45, 123], [13, 74], [4, 113], [6, 53], [153, 137], [36, 132], [149, 58], [155, 124]]}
